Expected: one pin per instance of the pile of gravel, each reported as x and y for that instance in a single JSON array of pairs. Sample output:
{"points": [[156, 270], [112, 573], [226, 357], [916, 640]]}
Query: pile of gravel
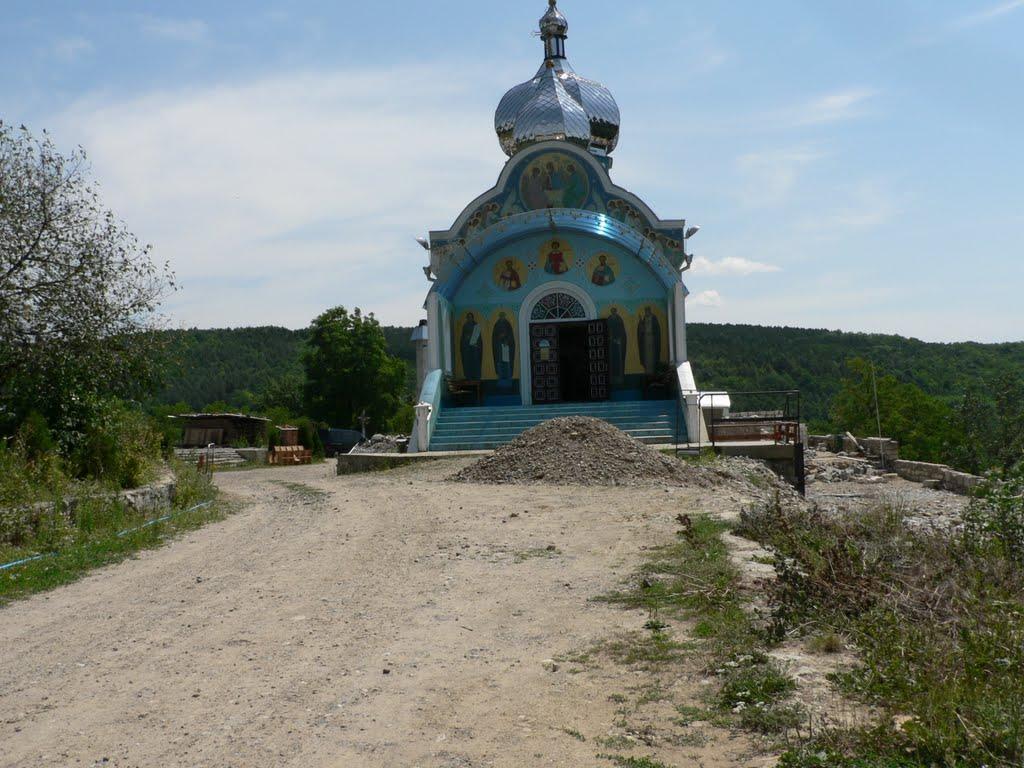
{"points": [[579, 450], [380, 444]]}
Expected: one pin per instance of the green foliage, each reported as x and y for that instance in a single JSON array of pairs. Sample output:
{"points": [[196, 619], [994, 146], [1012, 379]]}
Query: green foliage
{"points": [[349, 371], [920, 422], [309, 437], [995, 517], [284, 393], [747, 357], [78, 293], [402, 422], [230, 364], [118, 445], [89, 527], [34, 438], [937, 621]]}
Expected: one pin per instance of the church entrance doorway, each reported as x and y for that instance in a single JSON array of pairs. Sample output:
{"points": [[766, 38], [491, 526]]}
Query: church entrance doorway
{"points": [[569, 362]]}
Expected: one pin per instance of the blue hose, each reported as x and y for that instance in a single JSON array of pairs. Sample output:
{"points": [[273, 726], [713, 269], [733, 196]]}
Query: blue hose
{"points": [[120, 533]]}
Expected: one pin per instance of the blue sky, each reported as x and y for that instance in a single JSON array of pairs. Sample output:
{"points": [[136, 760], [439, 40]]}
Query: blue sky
{"points": [[854, 165]]}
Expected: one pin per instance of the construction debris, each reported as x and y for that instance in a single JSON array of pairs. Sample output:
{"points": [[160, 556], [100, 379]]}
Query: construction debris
{"points": [[382, 444], [579, 450]]}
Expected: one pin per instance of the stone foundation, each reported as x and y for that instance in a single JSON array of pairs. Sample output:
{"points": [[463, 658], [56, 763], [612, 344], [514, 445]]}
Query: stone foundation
{"points": [[940, 475]]}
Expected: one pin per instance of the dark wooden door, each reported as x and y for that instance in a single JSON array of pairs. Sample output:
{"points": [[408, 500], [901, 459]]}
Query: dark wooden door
{"points": [[545, 370], [597, 352]]}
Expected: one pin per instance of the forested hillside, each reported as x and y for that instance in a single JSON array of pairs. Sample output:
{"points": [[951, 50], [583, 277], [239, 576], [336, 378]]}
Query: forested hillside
{"points": [[747, 357], [231, 365]]}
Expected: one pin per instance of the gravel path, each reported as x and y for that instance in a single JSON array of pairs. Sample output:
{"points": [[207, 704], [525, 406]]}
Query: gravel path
{"points": [[386, 620]]}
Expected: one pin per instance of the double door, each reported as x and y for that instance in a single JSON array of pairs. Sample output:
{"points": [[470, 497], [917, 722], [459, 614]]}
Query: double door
{"points": [[569, 362]]}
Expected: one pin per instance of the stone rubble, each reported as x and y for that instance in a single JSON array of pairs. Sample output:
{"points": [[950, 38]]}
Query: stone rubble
{"points": [[579, 450], [380, 444]]}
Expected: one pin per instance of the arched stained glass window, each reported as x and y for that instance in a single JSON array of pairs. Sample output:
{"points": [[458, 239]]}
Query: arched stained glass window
{"points": [[558, 306]]}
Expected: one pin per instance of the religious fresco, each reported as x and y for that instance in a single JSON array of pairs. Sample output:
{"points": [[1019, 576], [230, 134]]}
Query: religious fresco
{"points": [[618, 344], [486, 309], [603, 269], [503, 349], [557, 256], [637, 338], [469, 344], [554, 180], [649, 333], [510, 274]]}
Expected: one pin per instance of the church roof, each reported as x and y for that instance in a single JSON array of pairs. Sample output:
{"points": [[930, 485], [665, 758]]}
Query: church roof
{"points": [[557, 103]]}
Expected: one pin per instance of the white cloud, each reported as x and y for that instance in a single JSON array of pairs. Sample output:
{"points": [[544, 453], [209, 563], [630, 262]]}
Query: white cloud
{"points": [[276, 198], [735, 266], [989, 14], [710, 298], [838, 106], [767, 178], [865, 207], [179, 30], [72, 48]]}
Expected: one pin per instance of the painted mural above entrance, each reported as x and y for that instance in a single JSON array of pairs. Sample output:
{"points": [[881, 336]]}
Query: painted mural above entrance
{"points": [[549, 177], [554, 180]]}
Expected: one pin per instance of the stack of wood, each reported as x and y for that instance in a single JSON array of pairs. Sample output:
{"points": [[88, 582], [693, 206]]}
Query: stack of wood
{"points": [[289, 454]]}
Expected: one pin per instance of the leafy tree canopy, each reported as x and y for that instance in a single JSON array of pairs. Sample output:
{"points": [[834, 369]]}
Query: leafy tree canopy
{"points": [[78, 293], [919, 421], [349, 371]]}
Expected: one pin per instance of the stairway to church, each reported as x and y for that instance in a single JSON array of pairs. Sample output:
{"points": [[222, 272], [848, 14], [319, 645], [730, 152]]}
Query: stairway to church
{"points": [[473, 429]]}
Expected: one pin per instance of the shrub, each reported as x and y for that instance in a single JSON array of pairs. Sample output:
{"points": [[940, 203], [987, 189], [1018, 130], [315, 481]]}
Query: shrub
{"points": [[995, 516], [118, 446], [402, 421], [309, 437], [193, 486], [34, 438]]}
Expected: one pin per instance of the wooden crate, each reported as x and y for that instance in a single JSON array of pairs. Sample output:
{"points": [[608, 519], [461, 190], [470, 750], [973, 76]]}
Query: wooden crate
{"points": [[290, 454]]}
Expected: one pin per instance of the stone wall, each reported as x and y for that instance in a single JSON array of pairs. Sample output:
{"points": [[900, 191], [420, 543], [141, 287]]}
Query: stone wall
{"points": [[872, 447], [944, 477]]}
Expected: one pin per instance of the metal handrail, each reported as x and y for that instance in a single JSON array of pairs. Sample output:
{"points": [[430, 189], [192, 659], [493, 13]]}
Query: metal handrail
{"points": [[791, 396]]}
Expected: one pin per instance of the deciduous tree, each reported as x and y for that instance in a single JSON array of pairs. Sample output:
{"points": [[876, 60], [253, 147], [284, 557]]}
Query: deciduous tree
{"points": [[78, 292], [349, 370]]}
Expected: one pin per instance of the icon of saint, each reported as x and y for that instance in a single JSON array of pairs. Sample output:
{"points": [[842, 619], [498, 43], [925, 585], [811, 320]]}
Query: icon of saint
{"points": [[603, 274], [575, 188], [554, 186], [554, 262], [617, 341], [648, 336], [509, 278], [533, 190], [472, 348], [503, 347]]}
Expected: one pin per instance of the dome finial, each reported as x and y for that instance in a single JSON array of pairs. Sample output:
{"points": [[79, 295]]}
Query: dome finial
{"points": [[554, 28]]}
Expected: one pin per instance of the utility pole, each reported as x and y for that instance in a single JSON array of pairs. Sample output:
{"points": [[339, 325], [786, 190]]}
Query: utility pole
{"points": [[878, 414]]}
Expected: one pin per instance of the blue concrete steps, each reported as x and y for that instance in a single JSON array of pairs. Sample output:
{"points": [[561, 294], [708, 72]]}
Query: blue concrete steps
{"points": [[482, 428]]}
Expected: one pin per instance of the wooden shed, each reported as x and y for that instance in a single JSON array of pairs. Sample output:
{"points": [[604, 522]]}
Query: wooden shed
{"points": [[201, 429]]}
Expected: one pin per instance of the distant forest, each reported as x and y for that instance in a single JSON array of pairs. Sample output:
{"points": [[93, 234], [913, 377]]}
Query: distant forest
{"points": [[230, 366]]}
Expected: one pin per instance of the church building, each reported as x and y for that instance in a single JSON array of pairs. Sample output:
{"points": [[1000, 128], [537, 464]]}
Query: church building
{"points": [[555, 292]]}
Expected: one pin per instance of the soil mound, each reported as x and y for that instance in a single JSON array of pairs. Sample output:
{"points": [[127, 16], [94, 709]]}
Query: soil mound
{"points": [[579, 450]]}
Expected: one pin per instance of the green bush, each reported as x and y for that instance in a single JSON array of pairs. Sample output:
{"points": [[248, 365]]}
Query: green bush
{"points": [[193, 486], [995, 516], [309, 437], [118, 446], [34, 438], [402, 422], [937, 621]]}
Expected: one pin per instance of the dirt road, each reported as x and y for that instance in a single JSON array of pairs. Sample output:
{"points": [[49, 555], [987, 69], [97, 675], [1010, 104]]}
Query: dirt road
{"points": [[385, 620]]}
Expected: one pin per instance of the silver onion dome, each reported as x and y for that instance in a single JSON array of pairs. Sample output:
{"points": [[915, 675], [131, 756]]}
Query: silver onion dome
{"points": [[557, 103]]}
